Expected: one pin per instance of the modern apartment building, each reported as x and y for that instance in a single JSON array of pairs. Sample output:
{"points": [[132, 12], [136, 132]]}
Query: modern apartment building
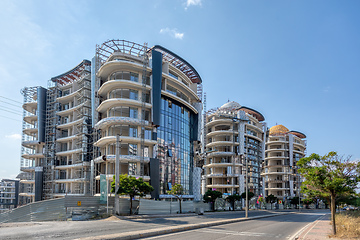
{"points": [[233, 134], [146, 96], [9, 194], [284, 148]]}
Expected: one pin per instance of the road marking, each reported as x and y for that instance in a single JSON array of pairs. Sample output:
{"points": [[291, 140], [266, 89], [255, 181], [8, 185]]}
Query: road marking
{"points": [[249, 234], [297, 234]]}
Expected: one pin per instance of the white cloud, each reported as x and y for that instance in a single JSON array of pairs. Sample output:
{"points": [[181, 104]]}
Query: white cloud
{"points": [[14, 136], [326, 89], [193, 2], [172, 32]]}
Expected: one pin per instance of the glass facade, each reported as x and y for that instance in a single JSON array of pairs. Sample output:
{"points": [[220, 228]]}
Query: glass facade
{"points": [[175, 149]]}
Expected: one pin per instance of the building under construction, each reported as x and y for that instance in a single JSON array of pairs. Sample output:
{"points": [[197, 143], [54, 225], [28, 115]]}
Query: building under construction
{"points": [[149, 97], [57, 136]]}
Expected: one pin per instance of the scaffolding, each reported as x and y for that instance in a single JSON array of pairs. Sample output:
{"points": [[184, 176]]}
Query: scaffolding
{"points": [[29, 94], [143, 111], [52, 107], [81, 147]]}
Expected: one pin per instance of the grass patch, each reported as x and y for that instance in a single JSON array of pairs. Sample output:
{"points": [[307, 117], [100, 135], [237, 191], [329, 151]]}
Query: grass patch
{"points": [[348, 225]]}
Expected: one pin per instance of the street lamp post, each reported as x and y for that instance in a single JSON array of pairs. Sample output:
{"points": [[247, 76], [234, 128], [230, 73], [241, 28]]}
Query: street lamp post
{"points": [[246, 188]]}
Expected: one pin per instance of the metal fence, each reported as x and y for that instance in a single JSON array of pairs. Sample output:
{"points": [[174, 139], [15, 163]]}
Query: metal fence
{"points": [[58, 209], [48, 210]]}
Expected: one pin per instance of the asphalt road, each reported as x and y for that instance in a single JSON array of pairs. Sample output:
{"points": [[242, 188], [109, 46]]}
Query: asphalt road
{"points": [[80, 229], [278, 227]]}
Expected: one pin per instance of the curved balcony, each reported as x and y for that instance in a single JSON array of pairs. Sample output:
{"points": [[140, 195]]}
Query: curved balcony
{"points": [[30, 106], [70, 124], [117, 65], [70, 110], [222, 186], [35, 155], [67, 139], [276, 173], [218, 154], [224, 121], [299, 152], [113, 102], [181, 86], [27, 194], [180, 100], [122, 158], [303, 145], [31, 143], [222, 143], [68, 97], [222, 133], [276, 158], [120, 83], [27, 169], [27, 181], [30, 118], [211, 165], [77, 165], [112, 139], [270, 141], [30, 131], [257, 128], [277, 166], [69, 152], [275, 181], [276, 150], [70, 180], [255, 137], [106, 122], [277, 188], [110, 176]]}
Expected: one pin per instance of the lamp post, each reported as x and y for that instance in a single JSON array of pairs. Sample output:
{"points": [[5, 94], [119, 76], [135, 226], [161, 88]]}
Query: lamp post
{"points": [[246, 189], [235, 119]]}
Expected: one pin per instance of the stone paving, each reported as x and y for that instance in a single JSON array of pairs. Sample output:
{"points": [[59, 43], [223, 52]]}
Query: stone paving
{"points": [[319, 230]]}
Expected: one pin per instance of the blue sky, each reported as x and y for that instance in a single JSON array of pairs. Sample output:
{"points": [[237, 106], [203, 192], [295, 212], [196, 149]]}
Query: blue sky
{"points": [[296, 62]]}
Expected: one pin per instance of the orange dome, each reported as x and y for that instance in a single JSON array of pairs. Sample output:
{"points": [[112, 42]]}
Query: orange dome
{"points": [[278, 130]]}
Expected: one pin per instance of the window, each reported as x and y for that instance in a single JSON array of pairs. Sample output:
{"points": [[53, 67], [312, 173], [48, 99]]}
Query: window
{"points": [[132, 168], [66, 92], [125, 76], [132, 149], [133, 112], [173, 75]]}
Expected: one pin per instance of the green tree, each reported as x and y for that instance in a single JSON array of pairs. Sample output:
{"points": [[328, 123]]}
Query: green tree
{"points": [[177, 190], [132, 186], [294, 201], [331, 176], [250, 195], [210, 196], [232, 199], [271, 199]]}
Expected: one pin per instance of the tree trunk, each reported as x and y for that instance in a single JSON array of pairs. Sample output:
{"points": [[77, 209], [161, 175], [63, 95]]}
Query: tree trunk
{"points": [[131, 205], [333, 211]]}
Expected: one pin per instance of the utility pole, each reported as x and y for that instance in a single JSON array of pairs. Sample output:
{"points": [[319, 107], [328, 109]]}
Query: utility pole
{"points": [[246, 188], [117, 174]]}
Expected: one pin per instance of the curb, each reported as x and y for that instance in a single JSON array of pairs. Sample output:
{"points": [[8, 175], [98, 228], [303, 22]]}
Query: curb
{"points": [[307, 228], [173, 229]]}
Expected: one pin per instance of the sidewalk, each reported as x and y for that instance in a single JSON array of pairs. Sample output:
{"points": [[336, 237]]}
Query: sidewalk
{"points": [[318, 230]]}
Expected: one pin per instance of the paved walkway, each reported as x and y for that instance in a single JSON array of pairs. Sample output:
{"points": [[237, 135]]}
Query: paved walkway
{"points": [[319, 230]]}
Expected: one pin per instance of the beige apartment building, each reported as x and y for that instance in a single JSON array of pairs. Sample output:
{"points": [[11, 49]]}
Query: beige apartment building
{"points": [[284, 148]]}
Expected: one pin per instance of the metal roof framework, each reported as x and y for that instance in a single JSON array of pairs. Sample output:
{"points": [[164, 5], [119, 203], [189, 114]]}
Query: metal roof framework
{"points": [[72, 75], [105, 50]]}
